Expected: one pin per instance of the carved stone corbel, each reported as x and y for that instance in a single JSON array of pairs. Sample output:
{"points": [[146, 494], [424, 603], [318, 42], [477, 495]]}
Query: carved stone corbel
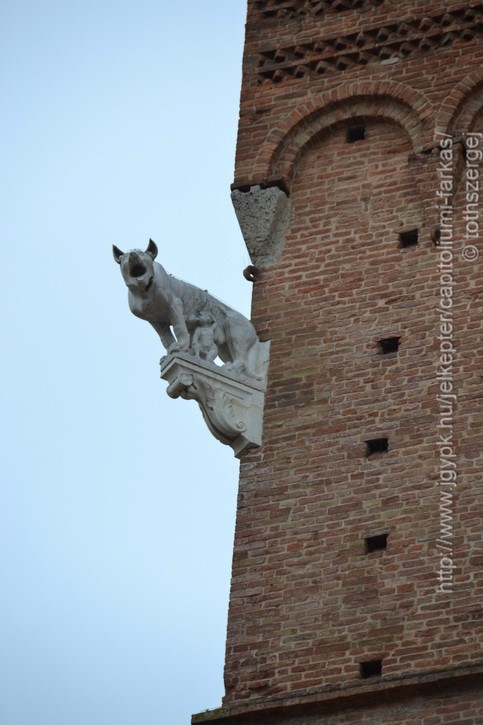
{"points": [[231, 404], [263, 215]]}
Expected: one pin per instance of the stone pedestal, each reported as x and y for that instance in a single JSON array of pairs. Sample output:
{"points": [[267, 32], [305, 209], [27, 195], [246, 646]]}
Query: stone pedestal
{"points": [[231, 404]]}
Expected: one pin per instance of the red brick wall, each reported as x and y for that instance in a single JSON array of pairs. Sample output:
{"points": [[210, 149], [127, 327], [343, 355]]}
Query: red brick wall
{"points": [[308, 604], [423, 74]]}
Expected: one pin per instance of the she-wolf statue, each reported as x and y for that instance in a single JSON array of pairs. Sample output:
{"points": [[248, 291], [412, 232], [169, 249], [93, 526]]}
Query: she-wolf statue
{"points": [[173, 306]]}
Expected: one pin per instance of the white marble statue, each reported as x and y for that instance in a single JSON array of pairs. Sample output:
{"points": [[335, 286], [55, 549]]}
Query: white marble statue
{"points": [[186, 318]]}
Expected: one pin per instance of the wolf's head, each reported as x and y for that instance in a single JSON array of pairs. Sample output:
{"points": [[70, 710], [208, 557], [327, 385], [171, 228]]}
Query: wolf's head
{"points": [[137, 267]]}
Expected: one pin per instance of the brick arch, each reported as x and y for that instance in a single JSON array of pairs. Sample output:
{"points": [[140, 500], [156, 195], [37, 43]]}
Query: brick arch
{"points": [[385, 99], [461, 105]]}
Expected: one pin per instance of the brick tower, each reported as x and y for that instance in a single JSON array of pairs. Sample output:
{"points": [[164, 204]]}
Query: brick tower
{"points": [[357, 574]]}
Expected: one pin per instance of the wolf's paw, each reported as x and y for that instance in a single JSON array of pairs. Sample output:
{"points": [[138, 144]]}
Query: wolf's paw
{"points": [[178, 347]]}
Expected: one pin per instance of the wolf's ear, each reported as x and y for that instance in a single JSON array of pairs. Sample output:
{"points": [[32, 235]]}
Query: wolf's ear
{"points": [[152, 249], [117, 253]]}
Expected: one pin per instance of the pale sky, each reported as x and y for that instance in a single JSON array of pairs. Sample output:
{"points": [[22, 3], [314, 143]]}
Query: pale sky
{"points": [[117, 505]]}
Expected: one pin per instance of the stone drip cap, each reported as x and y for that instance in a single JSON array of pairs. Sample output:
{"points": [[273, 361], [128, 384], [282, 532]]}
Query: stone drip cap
{"points": [[231, 403]]}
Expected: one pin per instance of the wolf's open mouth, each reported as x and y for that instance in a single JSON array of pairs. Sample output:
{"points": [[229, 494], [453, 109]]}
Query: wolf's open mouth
{"points": [[138, 270]]}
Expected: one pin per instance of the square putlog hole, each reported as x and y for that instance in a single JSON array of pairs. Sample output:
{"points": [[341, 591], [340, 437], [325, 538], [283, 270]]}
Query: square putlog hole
{"points": [[409, 238], [388, 345], [371, 668], [377, 445], [355, 133], [375, 543]]}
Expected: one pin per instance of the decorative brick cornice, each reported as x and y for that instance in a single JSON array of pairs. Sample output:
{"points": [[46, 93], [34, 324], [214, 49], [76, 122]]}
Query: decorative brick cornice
{"points": [[291, 8], [392, 42]]}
